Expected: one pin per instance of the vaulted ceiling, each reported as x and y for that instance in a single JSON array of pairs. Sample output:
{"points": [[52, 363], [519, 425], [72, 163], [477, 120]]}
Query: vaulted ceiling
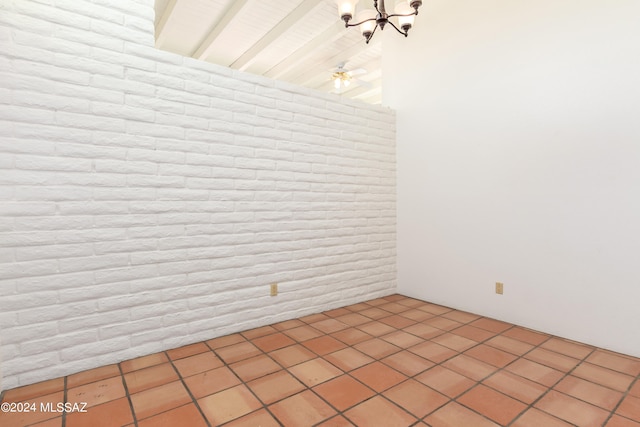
{"points": [[298, 41]]}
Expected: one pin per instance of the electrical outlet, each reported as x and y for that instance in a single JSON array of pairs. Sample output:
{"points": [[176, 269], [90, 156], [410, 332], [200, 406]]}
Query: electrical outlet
{"points": [[274, 289], [499, 288]]}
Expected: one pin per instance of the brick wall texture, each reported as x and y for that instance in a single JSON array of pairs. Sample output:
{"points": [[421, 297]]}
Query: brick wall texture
{"points": [[148, 200]]}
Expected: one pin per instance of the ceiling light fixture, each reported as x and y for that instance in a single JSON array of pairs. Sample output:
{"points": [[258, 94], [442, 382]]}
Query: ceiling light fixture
{"points": [[341, 78], [370, 19]]}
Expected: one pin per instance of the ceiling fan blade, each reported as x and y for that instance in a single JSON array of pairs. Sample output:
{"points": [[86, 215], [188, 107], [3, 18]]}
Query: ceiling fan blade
{"points": [[357, 71]]}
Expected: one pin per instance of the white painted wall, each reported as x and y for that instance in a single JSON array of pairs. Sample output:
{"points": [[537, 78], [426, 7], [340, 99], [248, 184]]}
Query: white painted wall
{"points": [[518, 154], [148, 200]]}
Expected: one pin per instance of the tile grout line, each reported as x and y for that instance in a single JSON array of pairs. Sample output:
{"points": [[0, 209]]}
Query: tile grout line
{"points": [[184, 384], [126, 391], [228, 366], [64, 399], [626, 394]]}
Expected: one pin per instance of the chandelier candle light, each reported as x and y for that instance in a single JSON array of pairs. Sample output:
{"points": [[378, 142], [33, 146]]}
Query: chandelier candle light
{"points": [[370, 19]]}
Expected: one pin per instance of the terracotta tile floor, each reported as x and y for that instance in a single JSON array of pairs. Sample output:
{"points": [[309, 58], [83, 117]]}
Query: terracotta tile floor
{"points": [[392, 361]]}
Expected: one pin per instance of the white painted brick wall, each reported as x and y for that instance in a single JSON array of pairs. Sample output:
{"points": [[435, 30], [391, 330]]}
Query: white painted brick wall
{"points": [[148, 200]]}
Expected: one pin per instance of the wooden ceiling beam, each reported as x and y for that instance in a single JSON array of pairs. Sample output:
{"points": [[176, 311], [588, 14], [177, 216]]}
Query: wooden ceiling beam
{"points": [[328, 36], [247, 58], [204, 50], [161, 25]]}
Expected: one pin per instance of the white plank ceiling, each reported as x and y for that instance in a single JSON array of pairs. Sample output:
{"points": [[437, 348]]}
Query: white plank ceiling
{"points": [[298, 41]]}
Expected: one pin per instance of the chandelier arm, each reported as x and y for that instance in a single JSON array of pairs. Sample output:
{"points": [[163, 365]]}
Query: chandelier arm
{"points": [[372, 33], [359, 23], [400, 14], [398, 30]]}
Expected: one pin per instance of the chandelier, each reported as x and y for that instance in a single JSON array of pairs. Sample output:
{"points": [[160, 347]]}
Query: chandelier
{"points": [[370, 19]]}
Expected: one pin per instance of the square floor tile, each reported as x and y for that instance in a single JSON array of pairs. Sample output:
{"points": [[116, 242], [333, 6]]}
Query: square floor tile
{"points": [[590, 392], [187, 415], [273, 342], [534, 417], [20, 419], [515, 386], [187, 350], [44, 388], [256, 367], [225, 341], [114, 413], [374, 313], [526, 335], [302, 410], [260, 418], [97, 392], [603, 376], [618, 421], [568, 348], [635, 390], [433, 351], [509, 345], [329, 325], [143, 362], [491, 325], [408, 363], [288, 324], [492, 404], [416, 398], [491, 355], [210, 382], [535, 372], [153, 376], [402, 339], [91, 375], [302, 333], [199, 363], [630, 408], [292, 355], [461, 316], [324, 345], [454, 342], [337, 421], [376, 348], [572, 410], [236, 352], [473, 333], [159, 399], [228, 404], [417, 315], [376, 329], [336, 312], [446, 381], [351, 336], [378, 376], [424, 331], [276, 386], [552, 359], [348, 359], [378, 411], [442, 323], [470, 367], [353, 319], [343, 392], [617, 362], [397, 321], [456, 415], [252, 334], [315, 371]]}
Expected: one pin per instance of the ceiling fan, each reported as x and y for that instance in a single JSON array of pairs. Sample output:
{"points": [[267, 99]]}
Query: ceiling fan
{"points": [[343, 77]]}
